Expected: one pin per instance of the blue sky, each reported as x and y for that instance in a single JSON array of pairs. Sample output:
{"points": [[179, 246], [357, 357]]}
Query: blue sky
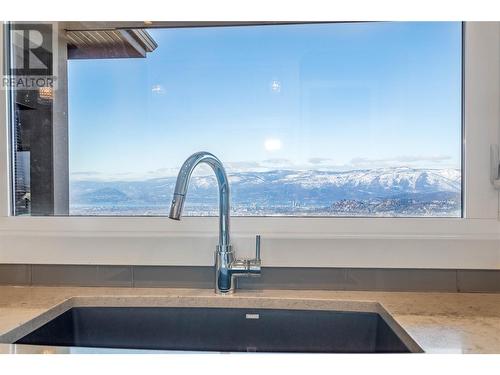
{"points": [[320, 96]]}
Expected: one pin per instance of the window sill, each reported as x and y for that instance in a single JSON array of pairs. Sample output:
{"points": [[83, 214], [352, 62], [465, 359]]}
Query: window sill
{"points": [[286, 242]]}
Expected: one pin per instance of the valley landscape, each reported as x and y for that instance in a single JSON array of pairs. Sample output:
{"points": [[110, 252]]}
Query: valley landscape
{"points": [[385, 192]]}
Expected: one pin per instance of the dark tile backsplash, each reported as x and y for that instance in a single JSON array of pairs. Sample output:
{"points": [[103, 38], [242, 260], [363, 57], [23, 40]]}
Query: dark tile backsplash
{"points": [[74, 275], [15, 274], [429, 280], [376, 279], [478, 281], [115, 276], [297, 278], [174, 277]]}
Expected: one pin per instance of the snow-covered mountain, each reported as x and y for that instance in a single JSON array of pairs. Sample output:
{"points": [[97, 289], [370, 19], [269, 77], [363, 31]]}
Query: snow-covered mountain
{"points": [[373, 180], [282, 192]]}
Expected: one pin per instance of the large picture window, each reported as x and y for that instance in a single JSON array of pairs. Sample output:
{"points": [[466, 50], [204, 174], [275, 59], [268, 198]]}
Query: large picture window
{"points": [[329, 119]]}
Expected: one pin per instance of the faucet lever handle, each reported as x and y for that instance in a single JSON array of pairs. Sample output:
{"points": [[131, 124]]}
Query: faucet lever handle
{"points": [[257, 247]]}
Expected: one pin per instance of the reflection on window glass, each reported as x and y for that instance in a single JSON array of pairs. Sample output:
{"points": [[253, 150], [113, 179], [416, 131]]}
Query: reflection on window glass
{"points": [[342, 119]]}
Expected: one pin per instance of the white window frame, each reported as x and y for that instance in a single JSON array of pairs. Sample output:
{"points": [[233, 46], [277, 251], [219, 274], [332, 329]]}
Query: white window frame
{"points": [[471, 242]]}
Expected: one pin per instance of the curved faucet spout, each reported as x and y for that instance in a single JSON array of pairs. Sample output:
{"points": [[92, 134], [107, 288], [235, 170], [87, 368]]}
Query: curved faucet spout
{"points": [[182, 184], [227, 267]]}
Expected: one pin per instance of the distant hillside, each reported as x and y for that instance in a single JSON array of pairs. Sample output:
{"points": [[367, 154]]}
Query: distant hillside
{"points": [[386, 192]]}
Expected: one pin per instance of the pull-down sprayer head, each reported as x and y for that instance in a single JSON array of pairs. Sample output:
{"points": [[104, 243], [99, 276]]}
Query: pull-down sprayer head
{"points": [[182, 184]]}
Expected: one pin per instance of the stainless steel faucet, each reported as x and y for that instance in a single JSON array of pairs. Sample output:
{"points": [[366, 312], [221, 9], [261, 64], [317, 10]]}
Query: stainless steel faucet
{"points": [[226, 266]]}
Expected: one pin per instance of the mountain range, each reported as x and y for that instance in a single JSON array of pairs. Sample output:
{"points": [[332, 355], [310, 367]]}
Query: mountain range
{"points": [[380, 192]]}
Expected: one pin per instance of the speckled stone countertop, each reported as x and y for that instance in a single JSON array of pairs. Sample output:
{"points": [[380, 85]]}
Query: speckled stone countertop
{"points": [[437, 322]]}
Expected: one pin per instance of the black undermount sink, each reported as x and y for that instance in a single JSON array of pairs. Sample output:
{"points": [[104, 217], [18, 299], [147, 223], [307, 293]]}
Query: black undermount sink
{"points": [[219, 329]]}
